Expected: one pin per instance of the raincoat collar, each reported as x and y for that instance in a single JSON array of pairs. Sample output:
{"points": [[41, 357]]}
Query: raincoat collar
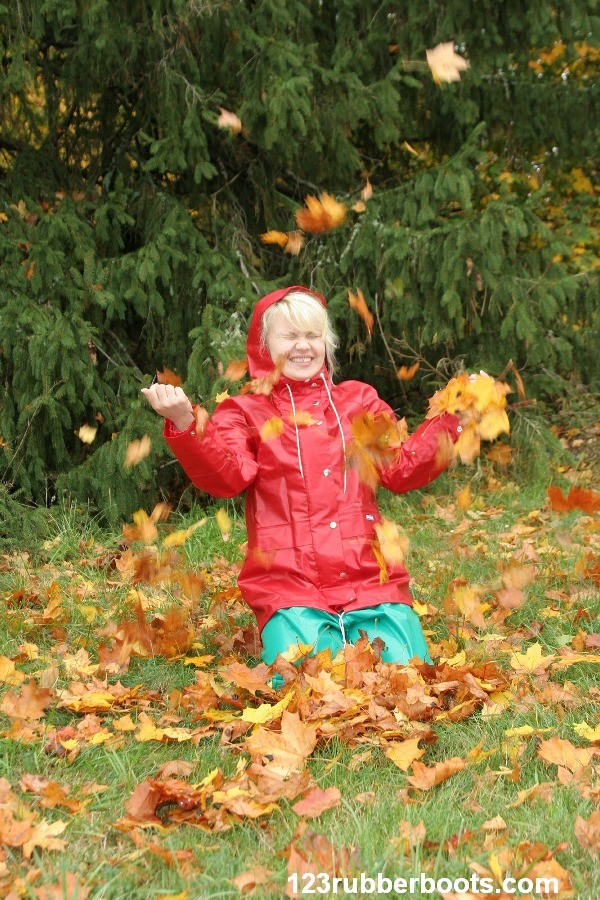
{"points": [[259, 359]]}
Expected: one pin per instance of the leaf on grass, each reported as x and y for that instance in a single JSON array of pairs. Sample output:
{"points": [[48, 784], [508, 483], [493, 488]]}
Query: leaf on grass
{"points": [[30, 703], [404, 753], [252, 878], [316, 801], [359, 304], [322, 214], [563, 753], [44, 836], [587, 832], [532, 661], [425, 777], [137, 451]]}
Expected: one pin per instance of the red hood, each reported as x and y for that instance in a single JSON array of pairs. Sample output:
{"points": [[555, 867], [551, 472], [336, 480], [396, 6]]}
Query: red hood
{"points": [[259, 358]]}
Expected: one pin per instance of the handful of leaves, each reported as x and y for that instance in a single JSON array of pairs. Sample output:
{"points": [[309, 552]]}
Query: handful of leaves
{"points": [[376, 439], [480, 403]]}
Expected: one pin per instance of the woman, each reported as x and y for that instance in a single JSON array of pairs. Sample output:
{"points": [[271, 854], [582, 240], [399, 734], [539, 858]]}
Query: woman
{"points": [[310, 575]]}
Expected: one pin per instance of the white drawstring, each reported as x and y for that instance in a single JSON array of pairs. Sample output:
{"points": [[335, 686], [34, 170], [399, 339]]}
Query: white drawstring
{"points": [[297, 435], [339, 425], [344, 642]]}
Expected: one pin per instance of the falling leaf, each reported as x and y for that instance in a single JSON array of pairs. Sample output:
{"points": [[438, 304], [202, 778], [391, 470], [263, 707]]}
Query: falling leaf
{"points": [[405, 373], [168, 377], [178, 538], [236, 369], [295, 243], [367, 191], [358, 303], [393, 543], [87, 433], [578, 498], [445, 63], [272, 429], [137, 451], [229, 120], [224, 522], [302, 418], [224, 395], [274, 237], [323, 214]]}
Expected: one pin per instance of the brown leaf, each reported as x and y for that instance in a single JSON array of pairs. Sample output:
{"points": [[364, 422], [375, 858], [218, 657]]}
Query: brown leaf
{"points": [[30, 703], [587, 832], [247, 881], [236, 369], [563, 753], [68, 887], [578, 498], [405, 373]]}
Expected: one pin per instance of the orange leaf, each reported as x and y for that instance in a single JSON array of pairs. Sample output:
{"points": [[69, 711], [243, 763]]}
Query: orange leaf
{"points": [[587, 832], [578, 498], [404, 753], [358, 303], [316, 801], [30, 703], [295, 243], [274, 237], [236, 369], [405, 373], [323, 214], [168, 377], [425, 777], [563, 753], [302, 418]]}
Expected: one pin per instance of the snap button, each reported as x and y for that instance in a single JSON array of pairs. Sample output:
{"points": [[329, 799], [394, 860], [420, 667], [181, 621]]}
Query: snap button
{"points": [[459, 429], [314, 384], [343, 575], [319, 422], [333, 524], [326, 471], [192, 432], [315, 402]]}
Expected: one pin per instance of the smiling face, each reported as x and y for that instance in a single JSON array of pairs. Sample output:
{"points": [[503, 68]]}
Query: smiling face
{"points": [[305, 350]]}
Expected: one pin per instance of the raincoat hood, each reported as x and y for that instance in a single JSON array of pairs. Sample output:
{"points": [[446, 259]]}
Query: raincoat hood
{"points": [[259, 359]]}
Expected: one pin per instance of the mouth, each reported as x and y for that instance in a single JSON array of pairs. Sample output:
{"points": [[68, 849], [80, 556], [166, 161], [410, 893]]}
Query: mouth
{"points": [[301, 359]]}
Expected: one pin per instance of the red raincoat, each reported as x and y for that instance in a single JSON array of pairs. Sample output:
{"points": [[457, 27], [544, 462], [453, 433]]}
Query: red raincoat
{"points": [[311, 523]]}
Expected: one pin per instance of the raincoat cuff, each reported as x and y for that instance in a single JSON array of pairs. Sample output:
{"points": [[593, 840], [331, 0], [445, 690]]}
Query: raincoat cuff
{"points": [[171, 431]]}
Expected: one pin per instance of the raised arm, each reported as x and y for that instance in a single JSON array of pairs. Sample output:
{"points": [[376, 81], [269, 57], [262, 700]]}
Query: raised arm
{"points": [[423, 456], [217, 455]]}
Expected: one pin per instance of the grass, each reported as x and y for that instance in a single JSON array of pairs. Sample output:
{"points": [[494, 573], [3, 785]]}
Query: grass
{"points": [[471, 545]]}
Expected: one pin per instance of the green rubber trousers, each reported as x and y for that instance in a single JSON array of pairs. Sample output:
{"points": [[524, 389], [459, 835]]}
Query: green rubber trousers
{"points": [[396, 624]]}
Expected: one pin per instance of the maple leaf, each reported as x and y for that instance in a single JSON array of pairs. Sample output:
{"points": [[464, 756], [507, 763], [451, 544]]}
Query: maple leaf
{"points": [[316, 800], [405, 373], [44, 835], [236, 369], [69, 887], [359, 304], [229, 120], [272, 428], [587, 832], [404, 753], [376, 439], [137, 451], [322, 214], [445, 63], [393, 543], [265, 384], [168, 377], [252, 878], [578, 498], [563, 753], [425, 777], [178, 538], [30, 703], [532, 661]]}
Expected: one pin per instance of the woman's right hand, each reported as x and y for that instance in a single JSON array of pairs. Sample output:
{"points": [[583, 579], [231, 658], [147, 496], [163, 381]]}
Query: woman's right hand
{"points": [[171, 403]]}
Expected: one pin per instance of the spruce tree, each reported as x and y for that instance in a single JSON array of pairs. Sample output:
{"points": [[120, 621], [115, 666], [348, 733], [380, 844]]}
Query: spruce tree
{"points": [[131, 218]]}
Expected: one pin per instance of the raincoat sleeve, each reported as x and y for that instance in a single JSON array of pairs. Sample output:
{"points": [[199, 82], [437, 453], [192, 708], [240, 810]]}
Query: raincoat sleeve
{"points": [[420, 459], [220, 461]]}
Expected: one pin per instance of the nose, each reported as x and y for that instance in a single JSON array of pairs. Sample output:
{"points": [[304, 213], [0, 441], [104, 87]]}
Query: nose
{"points": [[302, 343]]}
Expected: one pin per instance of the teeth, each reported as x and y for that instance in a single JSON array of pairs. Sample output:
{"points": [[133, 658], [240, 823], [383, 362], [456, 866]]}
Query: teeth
{"points": [[301, 359]]}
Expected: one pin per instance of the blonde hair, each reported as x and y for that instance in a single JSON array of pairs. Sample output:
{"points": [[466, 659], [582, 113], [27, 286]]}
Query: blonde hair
{"points": [[304, 311]]}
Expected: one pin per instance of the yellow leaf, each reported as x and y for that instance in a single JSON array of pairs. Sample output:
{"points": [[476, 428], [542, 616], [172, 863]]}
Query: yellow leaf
{"points": [[137, 451], [587, 732], [178, 538], [531, 660], [266, 712], [88, 612], [87, 433], [463, 498], [224, 395], [404, 753], [274, 237], [224, 522], [9, 674], [272, 428], [581, 183]]}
